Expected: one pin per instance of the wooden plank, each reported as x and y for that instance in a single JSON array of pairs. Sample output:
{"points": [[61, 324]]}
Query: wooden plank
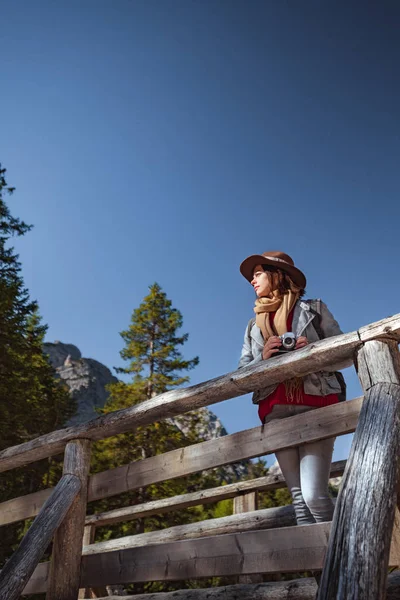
{"points": [[288, 549], [89, 535], [18, 570], [26, 507], [357, 558], [268, 518], [314, 357], [295, 589], [245, 503], [23, 507], [223, 492], [326, 422], [395, 543], [65, 564], [37, 583]]}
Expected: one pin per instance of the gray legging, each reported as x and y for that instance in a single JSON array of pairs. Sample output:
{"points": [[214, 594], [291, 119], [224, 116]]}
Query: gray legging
{"points": [[306, 471]]}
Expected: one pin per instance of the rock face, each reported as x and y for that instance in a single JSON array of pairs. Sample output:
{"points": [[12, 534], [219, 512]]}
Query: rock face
{"points": [[87, 380]]}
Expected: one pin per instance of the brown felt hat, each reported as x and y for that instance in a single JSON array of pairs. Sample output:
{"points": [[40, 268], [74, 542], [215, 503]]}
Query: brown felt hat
{"points": [[275, 259]]}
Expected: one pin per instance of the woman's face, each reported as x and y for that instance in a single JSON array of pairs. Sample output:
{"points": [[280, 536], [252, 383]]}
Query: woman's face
{"points": [[261, 282]]}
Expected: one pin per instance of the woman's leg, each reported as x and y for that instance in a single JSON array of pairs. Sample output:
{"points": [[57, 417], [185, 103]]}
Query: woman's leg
{"points": [[289, 462], [315, 465]]}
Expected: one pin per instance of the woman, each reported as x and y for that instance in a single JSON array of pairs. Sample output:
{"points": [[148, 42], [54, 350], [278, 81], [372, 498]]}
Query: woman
{"points": [[279, 287]]}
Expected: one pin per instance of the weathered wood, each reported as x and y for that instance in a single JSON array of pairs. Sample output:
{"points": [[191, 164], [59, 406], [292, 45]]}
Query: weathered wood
{"points": [[245, 503], [326, 422], [296, 589], [23, 507], [38, 582], [89, 535], [65, 562], [395, 543], [357, 557], [288, 549], [385, 358], [268, 518], [17, 571], [223, 492], [29, 506], [316, 356]]}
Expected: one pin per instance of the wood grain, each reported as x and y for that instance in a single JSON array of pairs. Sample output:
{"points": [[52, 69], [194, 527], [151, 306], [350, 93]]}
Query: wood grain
{"points": [[65, 565], [326, 422], [317, 356], [18, 570], [357, 558]]}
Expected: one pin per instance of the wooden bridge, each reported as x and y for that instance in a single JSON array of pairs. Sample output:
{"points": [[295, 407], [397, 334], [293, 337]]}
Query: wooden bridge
{"points": [[354, 552]]}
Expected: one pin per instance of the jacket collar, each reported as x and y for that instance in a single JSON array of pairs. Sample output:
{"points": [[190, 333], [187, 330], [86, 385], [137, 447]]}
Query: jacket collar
{"points": [[302, 317]]}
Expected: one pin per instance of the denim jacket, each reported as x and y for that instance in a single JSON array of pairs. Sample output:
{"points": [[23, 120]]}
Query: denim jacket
{"points": [[321, 383]]}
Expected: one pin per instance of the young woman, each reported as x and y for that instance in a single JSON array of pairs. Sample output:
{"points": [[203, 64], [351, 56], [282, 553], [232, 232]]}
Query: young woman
{"points": [[279, 308]]}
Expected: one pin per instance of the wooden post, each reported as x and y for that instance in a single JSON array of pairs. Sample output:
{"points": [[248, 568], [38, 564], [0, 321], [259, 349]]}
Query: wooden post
{"points": [[358, 552], [89, 534], [18, 570], [65, 564], [241, 504]]}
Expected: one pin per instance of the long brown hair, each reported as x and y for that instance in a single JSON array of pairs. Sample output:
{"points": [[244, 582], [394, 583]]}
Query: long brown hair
{"points": [[285, 283]]}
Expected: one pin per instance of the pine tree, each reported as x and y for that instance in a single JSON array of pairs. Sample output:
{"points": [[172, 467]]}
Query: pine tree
{"points": [[32, 401], [154, 360]]}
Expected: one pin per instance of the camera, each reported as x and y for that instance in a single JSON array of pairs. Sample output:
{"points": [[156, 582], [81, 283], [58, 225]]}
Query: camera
{"points": [[288, 342]]}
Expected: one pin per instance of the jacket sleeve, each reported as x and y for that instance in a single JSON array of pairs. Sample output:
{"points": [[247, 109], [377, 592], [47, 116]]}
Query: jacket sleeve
{"points": [[330, 328], [246, 357]]}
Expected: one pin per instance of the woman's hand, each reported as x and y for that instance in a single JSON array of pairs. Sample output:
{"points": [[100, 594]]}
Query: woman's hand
{"points": [[271, 347], [301, 342]]}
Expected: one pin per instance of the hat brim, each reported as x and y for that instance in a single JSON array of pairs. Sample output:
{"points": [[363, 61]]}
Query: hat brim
{"points": [[247, 268]]}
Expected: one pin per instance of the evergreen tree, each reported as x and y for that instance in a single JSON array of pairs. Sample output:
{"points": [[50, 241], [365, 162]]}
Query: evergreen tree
{"points": [[32, 401], [154, 360]]}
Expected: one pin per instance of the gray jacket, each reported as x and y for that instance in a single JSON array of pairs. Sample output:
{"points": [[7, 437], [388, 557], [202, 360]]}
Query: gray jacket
{"points": [[316, 384]]}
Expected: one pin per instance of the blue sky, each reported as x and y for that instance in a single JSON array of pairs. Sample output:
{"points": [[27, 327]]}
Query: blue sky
{"points": [[168, 140]]}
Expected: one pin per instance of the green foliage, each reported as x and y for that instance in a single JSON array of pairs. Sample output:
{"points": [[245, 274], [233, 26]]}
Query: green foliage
{"points": [[152, 345], [32, 401], [155, 362]]}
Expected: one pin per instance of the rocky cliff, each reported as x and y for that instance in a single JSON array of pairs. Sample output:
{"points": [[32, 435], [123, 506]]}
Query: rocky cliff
{"points": [[87, 380]]}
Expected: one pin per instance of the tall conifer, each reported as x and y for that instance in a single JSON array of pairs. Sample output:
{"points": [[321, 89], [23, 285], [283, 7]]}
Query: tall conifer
{"points": [[155, 363], [32, 401]]}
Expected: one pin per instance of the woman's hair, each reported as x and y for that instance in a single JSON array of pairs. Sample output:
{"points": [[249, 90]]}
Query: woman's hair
{"points": [[285, 282]]}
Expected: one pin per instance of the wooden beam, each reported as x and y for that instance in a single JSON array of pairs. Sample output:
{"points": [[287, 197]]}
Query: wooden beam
{"points": [[295, 589], [316, 356], [65, 562], [246, 503], [89, 535], [223, 492], [357, 558], [326, 422], [18, 570], [29, 506], [37, 583], [268, 518], [288, 549], [23, 507]]}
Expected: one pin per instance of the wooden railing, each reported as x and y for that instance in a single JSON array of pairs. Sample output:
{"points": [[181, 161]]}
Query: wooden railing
{"points": [[359, 550]]}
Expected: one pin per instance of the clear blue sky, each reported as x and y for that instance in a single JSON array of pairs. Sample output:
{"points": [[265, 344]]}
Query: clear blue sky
{"points": [[167, 140]]}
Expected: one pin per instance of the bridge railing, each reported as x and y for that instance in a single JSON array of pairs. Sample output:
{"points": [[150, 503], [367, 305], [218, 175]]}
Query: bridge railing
{"points": [[373, 461]]}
